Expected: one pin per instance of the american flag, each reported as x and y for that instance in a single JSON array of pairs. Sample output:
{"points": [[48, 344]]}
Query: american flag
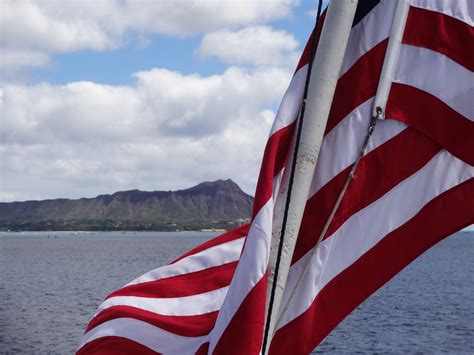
{"points": [[413, 187]]}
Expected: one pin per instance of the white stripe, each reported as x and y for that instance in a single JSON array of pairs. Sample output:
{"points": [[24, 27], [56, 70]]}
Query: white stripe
{"points": [[370, 31], [176, 306], [366, 228], [456, 88], [217, 255], [277, 183], [373, 29], [250, 269], [342, 144], [461, 9], [291, 103], [145, 334]]}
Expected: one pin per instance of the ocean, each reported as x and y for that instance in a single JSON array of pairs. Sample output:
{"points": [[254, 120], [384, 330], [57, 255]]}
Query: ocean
{"points": [[52, 282]]}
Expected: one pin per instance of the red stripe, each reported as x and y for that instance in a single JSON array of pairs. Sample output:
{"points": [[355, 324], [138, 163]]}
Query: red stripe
{"points": [[306, 56], [441, 33], [378, 172], [223, 238], [273, 161], [188, 326], [244, 332], [203, 349], [357, 85], [188, 284], [434, 118], [114, 346], [442, 216]]}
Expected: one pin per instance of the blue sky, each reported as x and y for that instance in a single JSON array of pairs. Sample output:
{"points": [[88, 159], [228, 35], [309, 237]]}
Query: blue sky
{"points": [[115, 66], [149, 50], [109, 95]]}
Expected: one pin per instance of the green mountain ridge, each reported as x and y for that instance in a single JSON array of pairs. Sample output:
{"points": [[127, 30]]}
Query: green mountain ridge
{"points": [[217, 204]]}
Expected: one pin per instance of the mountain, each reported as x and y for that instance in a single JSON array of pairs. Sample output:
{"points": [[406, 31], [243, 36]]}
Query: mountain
{"points": [[217, 204]]}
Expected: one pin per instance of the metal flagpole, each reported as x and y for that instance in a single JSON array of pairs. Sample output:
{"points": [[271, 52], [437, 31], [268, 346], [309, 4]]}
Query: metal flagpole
{"points": [[323, 79]]}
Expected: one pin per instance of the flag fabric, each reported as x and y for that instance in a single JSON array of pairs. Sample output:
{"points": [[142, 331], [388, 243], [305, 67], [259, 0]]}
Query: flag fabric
{"points": [[413, 187]]}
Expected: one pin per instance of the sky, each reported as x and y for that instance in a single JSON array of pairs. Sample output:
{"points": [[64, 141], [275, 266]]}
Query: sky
{"points": [[112, 95]]}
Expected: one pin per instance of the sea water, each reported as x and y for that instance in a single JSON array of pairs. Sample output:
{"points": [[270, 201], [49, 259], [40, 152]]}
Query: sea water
{"points": [[52, 282]]}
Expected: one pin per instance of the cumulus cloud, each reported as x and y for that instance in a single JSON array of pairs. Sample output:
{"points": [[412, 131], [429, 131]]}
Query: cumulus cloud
{"points": [[160, 103], [165, 131], [56, 26], [252, 45], [183, 17]]}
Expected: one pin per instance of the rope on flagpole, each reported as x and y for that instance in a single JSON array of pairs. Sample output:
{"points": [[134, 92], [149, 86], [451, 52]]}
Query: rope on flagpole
{"points": [[292, 174], [349, 178]]}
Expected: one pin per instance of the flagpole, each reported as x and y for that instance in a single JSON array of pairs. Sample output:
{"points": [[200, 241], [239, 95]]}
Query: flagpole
{"points": [[322, 84]]}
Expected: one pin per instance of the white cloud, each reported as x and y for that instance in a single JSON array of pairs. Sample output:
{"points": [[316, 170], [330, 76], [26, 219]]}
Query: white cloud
{"points": [[14, 63], [184, 17], [57, 26], [254, 45], [24, 58], [166, 131]]}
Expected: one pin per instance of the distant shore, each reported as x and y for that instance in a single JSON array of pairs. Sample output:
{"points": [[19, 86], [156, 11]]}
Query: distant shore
{"points": [[118, 226], [92, 230], [203, 230]]}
